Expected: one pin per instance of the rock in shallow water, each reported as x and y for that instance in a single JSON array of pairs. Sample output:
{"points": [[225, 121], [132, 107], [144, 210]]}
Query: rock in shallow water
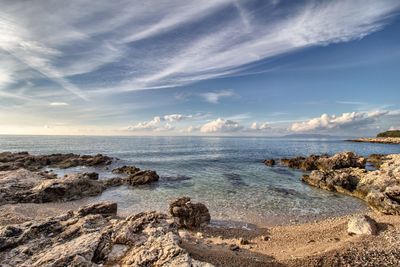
{"points": [[379, 188], [362, 225], [94, 237], [189, 215]]}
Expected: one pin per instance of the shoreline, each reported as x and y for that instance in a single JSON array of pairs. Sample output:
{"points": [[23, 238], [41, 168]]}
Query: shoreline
{"points": [[378, 140], [66, 203]]}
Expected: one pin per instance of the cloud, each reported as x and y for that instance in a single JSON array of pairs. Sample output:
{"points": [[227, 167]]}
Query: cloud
{"points": [[255, 126], [394, 128], [77, 41], [220, 126], [214, 97], [176, 117], [159, 123], [346, 120], [58, 104]]}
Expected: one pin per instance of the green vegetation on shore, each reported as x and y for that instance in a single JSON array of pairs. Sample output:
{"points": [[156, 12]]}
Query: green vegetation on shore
{"points": [[395, 133]]}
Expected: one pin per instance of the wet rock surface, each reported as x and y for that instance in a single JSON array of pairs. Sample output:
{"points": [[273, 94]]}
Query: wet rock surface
{"points": [[22, 179], [188, 214], [94, 235], [324, 162], [379, 188], [14, 161]]}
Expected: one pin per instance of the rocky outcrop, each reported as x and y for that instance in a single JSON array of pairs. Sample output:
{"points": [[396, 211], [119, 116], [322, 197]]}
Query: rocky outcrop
{"points": [[136, 176], [14, 161], [93, 236], [129, 170], [361, 225], [189, 215], [379, 188], [25, 186], [22, 186], [324, 162]]}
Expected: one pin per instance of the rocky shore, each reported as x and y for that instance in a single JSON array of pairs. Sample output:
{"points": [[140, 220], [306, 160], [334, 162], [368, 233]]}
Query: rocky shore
{"points": [[35, 233], [382, 140]]}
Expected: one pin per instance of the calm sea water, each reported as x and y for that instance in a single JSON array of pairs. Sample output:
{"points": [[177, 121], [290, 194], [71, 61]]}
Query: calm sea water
{"points": [[225, 173]]}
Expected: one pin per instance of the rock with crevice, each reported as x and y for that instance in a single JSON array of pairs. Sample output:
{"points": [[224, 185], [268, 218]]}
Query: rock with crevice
{"points": [[188, 214], [14, 161], [379, 188], [95, 237], [324, 162]]}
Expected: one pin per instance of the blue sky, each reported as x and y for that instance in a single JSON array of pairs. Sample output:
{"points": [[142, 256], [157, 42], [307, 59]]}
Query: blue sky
{"points": [[222, 67]]}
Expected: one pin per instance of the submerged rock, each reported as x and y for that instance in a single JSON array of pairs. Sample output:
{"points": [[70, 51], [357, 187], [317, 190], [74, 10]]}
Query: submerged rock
{"points": [[189, 215], [379, 188], [361, 225], [95, 236]]}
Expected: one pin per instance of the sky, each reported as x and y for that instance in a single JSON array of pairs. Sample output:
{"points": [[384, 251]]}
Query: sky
{"points": [[179, 67]]}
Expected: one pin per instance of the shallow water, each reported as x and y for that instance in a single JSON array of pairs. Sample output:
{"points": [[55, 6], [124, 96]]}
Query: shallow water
{"points": [[225, 173]]}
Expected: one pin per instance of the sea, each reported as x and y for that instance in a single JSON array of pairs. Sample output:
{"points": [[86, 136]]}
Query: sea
{"points": [[225, 173]]}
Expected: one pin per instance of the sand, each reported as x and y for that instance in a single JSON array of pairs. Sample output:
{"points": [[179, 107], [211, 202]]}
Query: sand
{"points": [[320, 243]]}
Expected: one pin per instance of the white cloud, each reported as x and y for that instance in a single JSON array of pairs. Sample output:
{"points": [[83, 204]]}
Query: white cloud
{"points": [[255, 126], [326, 122], [158, 123], [176, 117], [214, 97], [220, 126], [58, 104]]}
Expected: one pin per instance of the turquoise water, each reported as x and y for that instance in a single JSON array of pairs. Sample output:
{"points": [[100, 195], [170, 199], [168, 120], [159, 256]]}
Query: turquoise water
{"points": [[225, 173]]}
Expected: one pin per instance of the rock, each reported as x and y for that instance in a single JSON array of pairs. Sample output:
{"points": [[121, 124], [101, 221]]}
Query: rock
{"points": [[379, 188], [234, 247], [361, 225], [126, 170], [104, 208], [269, 162], [189, 215], [142, 177], [340, 161], [376, 160], [91, 239], [243, 241], [324, 162], [14, 161]]}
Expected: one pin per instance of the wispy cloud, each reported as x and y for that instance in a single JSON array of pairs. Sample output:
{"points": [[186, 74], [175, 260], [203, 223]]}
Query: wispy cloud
{"points": [[221, 125], [58, 104]]}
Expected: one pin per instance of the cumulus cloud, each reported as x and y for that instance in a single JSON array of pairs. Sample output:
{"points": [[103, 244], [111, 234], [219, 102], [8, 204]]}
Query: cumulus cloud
{"points": [[176, 117], [255, 126], [214, 97], [220, 126], [327, 122], [159, 123]]}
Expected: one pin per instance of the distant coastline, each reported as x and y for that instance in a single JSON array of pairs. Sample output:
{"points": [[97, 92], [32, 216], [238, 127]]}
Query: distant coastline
{"points": [[381, 140]]}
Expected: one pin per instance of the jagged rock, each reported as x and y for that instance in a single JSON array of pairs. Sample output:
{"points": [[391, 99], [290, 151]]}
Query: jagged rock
{"points": [[376, 160], [104, 208], [14, 161], [361, 225], [21, 186], [189, 215], [324, 162], [379, 188], [95, 238], [126, 170], [340, 161], [142, 177], [269, 162]]}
